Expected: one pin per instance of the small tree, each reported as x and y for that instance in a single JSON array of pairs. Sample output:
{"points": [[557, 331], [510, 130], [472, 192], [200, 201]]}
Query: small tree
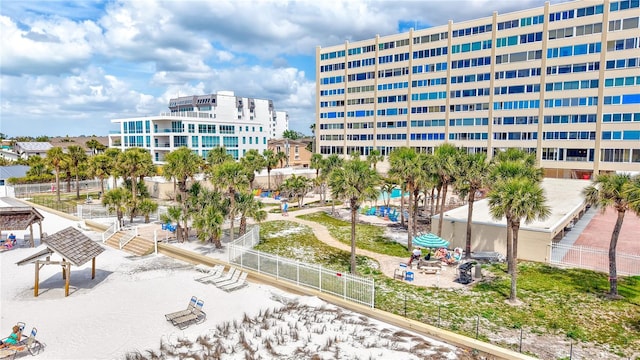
{"points": [[621, 193], [355, 182]]}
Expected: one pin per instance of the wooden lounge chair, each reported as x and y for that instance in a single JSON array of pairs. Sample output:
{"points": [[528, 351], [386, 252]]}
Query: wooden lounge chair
{"points": [[195, 317], [187, 311], [225, 277], [234, 278], [212, 273], [242, 281]]}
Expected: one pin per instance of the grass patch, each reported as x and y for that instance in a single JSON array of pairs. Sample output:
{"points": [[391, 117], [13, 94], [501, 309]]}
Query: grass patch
{"points": [[368, 237], [296, 241], [569, 303]]}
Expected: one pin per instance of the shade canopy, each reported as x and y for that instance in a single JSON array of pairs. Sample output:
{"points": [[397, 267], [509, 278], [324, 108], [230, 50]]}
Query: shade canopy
{"points": [[430, 241]]}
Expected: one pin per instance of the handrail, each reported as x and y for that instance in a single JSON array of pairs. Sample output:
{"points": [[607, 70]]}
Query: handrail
{"points": [[132, 233], [111, 230]]}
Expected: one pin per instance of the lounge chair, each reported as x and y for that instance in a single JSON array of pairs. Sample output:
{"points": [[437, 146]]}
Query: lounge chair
{"points": [[234, 277], [27, 343], [195, 317], [211, 273], [242, 282], [187, 311], [241, 277], [225, 277]]}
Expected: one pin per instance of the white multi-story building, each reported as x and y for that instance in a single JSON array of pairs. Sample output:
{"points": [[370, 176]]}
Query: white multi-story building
{"points": [[561, 81], [201, 123]]}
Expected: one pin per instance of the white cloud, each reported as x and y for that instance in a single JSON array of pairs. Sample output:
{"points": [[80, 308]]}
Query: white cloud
{"points": [[70, 68], [55, 46]]}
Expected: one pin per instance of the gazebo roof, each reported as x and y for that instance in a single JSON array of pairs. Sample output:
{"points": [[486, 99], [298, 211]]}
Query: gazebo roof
{"points": [[36, 256], [18, 218], [73, 245]]}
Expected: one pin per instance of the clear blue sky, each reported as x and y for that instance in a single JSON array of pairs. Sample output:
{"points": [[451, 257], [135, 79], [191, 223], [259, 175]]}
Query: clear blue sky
{"points": [[68, 68]]}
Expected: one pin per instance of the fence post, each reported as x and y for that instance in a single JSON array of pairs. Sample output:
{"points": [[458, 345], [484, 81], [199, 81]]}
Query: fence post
{"points": [[155, 240], [521, 339], [477, 325], [320, 278], [580, 256], [439, 308], [344, 291], [571, 350], [405, 305]]}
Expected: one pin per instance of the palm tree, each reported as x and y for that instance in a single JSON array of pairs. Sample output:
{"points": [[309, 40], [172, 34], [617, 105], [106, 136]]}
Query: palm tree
{"points": [[232, 176], [95, 146], [330, 164], [134, 163], [252, 161], [116, 200], [282, 157], [181, 165], [445, 157], [622, 193], [208, 223], [55, 158], [404, 164], [147, 206], [217, 156], [474, 170], [510, 164], [297, 186], [100, 166], [355, 182], [76, 156], [175, 215], [114, 155], [270, 161], [374, 158], [316, 163], [248, 206], [516, 199]]}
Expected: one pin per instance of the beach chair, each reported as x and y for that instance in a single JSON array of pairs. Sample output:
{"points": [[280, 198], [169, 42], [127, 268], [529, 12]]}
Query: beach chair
{"points": [[241, 277], [211, 273], [187, 311], [225, 277], [26, 344], [196, 316], [242, 282], [234, 277]]}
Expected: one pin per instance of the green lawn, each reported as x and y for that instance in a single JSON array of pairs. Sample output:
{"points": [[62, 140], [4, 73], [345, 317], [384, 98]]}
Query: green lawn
{"points": [[567, 304], [368, 237]]}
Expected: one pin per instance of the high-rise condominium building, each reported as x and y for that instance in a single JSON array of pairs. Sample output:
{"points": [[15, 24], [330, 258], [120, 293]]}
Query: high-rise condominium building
{"points": [[561, 81], [203, 122]]}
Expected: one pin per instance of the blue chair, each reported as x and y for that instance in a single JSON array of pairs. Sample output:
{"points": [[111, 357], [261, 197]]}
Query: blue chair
{"points": [[409, 276]]}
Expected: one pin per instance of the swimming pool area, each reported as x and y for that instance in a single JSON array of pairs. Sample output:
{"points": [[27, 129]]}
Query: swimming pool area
{"points": [[395, 194]]}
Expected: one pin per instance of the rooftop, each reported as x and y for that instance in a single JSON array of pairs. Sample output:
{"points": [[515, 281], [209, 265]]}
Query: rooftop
{"points": [[564, 198]]}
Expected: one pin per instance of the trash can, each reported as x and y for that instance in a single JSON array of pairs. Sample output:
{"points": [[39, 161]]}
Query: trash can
{"points": [[464, 273], [478, 271]]}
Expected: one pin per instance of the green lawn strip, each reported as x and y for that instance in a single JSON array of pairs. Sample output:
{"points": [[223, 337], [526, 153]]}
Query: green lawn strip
{"points": [[567, 301], [368, 237], [561, 302]]}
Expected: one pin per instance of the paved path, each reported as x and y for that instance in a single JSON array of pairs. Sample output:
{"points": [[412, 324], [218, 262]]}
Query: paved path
{"points": [[388, 264]]}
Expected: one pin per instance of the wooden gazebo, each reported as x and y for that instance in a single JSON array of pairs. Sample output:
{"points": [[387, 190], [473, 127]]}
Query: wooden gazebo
{"points": [[19, 218], [74, 247]]}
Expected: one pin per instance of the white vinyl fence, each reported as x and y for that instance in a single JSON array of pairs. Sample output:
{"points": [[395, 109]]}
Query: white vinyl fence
{"points": [[349, 287], [593, 259]]}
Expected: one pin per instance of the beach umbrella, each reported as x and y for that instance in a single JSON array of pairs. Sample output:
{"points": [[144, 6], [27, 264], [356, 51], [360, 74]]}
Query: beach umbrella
{"points": [[430, 241]]}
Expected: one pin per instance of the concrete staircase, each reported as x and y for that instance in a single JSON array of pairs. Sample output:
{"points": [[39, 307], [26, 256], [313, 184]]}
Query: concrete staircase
{"points": [[137, 246]]}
